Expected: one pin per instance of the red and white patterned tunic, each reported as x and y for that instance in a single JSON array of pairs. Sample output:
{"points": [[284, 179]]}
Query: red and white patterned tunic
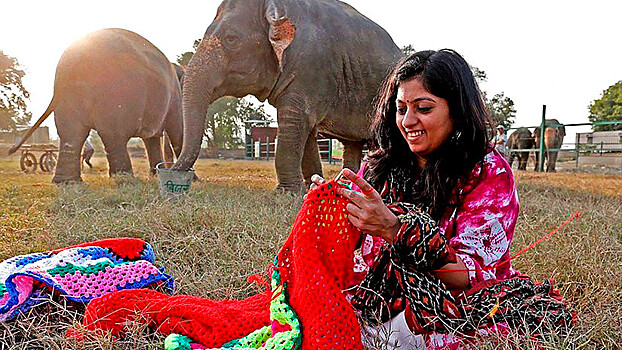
{"points": [[480, 230]]}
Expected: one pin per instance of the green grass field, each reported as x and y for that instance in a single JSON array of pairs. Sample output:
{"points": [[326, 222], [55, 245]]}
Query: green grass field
{"points": [[232, 224]]}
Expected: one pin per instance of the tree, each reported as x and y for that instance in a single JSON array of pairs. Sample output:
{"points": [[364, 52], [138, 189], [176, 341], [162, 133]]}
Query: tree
{"points": [[408, 50], [13, 95], [185, 57], [500, 108], [607, 108], [479, 75], [224, 125]]}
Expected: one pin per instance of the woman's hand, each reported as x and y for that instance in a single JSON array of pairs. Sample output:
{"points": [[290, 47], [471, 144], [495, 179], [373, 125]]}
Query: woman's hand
{"points": [[367, 211], [316, 180]]}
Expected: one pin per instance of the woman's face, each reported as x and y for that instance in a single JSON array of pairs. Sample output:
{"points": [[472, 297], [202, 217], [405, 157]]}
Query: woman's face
{"points": [[423, 118]]}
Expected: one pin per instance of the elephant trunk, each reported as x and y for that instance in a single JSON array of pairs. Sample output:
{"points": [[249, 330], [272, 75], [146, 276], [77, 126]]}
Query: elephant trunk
{"points": [[201, 82]]}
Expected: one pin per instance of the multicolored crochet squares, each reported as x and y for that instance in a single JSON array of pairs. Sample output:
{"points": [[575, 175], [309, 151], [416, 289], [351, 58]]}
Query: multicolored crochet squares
{"points": [[79, 273]]}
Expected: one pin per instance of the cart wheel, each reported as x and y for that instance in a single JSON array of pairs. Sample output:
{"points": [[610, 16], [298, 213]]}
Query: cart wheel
{"points": [[47, 162], [28, 162]]}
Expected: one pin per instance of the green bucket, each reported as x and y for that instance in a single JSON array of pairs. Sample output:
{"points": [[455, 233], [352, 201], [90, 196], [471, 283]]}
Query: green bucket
{"points": [[173, 183]]}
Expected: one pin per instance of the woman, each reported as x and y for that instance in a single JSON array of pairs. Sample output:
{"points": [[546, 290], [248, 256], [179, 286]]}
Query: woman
{"points": [[439, 207]]}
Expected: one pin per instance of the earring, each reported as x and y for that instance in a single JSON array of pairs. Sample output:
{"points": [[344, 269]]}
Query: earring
{"points": [[455, 138]]}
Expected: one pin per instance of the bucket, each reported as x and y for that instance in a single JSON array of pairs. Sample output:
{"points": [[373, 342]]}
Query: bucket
{"points": [[173, 183]]}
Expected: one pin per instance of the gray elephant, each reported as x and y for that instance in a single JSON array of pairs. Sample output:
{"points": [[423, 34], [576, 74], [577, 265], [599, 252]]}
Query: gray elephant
{"points": [[554, 133], [520, 139], [319, 62], [118, 83]]}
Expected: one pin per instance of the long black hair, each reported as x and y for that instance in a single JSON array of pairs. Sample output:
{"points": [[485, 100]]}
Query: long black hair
{"points": [[445, 74]]}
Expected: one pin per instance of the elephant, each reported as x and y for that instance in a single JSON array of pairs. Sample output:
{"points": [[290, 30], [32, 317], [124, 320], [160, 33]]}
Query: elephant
{"points": [[319, 62], [118, 83], [554, 133], [520, 139]]}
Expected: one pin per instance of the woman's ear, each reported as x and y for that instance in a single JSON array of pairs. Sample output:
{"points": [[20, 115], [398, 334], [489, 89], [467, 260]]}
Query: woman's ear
{"points": [[281, 31]]}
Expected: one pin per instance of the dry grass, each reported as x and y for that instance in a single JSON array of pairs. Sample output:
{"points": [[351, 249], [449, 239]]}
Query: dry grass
{"points": [[233, 223]]}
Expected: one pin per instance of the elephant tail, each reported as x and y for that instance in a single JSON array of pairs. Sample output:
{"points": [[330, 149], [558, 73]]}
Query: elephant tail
{"points": [[33, 128]]}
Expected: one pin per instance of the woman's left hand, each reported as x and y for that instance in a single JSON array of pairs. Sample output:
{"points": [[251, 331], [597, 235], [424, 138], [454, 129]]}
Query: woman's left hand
{"points": [[367, 211]]}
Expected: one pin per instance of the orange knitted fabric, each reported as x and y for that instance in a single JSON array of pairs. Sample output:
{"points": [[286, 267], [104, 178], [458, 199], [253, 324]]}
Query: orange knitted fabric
{"points": [[314, 264]]}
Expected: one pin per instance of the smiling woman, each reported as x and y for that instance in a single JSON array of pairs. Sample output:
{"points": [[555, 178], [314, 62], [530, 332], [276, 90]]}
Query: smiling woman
{"points": [[438, 205]]}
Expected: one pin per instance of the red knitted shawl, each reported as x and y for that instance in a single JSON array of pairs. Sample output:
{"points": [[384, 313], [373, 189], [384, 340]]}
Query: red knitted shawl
{"points": [[314, 264]]}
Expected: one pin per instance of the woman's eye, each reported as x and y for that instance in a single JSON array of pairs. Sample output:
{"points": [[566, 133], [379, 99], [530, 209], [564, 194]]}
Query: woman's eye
{"points": [[401, 111], [424, 109]]}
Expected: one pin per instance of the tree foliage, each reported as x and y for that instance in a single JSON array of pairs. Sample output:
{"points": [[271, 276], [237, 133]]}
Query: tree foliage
{"points": [[607, 108], [408, 50], [185, 57], [13, 95], [224, 125], [500, 108]]}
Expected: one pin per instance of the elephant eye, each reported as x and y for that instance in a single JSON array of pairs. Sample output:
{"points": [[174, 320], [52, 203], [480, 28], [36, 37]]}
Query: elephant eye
{"points": [[231, 39]]}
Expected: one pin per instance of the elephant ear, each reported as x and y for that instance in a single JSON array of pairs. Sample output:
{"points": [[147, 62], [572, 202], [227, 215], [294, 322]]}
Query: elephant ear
{"points": [[281, 32]]}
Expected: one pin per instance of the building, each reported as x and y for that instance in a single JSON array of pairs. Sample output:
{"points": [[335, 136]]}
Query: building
{"points": [[605, 141], [41, 135]]}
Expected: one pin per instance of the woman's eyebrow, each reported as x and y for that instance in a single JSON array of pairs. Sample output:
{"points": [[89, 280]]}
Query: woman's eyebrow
{"points": [[418, 100]]}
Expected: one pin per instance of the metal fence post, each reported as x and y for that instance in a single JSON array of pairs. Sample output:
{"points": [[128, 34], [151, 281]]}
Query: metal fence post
{"points": [[542, 126], [576, 148], [601, 148]]}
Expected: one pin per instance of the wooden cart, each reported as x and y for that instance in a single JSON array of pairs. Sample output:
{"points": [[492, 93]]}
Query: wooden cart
{"points": [[46, 161]]}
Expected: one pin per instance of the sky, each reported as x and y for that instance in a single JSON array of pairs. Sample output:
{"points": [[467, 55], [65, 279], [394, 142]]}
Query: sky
{"points": [[561, 54]]}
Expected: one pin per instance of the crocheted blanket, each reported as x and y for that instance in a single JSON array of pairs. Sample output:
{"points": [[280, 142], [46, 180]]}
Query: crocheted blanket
{"points": [[80, 273], [307, 279]]}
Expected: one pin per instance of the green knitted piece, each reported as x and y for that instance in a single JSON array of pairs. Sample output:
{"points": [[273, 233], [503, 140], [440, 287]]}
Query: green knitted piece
{"points": [[262, 338], [177, 342], [252, 340], [71, 269]]}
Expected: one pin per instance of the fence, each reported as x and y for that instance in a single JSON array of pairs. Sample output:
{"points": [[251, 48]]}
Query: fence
{"points": [[330, 150], [608, 147]]}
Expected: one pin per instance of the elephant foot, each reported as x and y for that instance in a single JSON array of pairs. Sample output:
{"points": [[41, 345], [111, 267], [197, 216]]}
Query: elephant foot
{"points": [[66, 180], [195, 178], [296, 189]]}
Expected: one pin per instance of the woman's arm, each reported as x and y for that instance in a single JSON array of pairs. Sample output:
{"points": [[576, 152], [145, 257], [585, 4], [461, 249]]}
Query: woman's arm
{"points": [[411, 231], [457, 277]]}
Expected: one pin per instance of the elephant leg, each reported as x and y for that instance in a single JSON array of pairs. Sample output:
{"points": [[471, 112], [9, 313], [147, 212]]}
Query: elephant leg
{"points": [[72, 136], [169, 153], [552, 159], [352, 154], [311, 162], [522, 161], [154, 152], [511, 158], [116, 152], [173, 126], [293, 133]]}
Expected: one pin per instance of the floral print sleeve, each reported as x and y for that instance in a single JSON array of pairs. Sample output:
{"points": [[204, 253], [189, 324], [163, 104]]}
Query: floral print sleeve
{"points": [[481, 230]]}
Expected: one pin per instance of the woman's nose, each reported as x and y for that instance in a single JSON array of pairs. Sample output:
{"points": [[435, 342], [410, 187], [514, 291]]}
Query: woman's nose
{"points": [[410, 118]]}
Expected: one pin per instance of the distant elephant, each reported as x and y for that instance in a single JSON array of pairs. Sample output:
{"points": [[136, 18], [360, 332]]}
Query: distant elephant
{"points": [[118, 83], [319, 62], [520, 139], [554, 133]]}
